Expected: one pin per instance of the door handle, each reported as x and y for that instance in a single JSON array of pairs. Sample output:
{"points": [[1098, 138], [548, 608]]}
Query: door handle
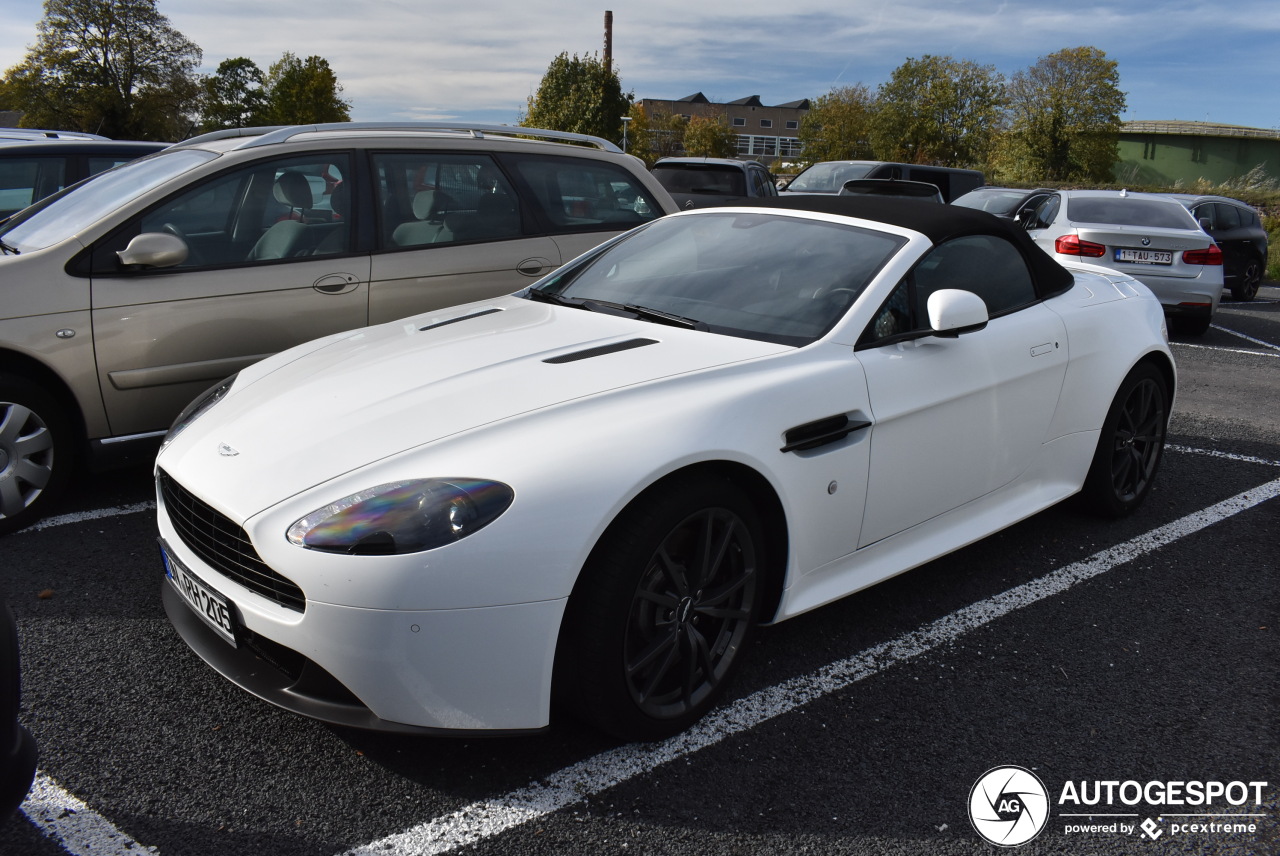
{"points": [[534, 267], [336, 283]]}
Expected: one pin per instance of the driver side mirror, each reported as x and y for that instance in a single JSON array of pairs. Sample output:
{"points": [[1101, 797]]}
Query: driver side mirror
{"points": [[952, 312], [154, 249]]}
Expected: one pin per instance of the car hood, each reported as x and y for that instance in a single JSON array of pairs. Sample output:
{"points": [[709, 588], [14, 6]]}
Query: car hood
{"points": [[313, 413]]}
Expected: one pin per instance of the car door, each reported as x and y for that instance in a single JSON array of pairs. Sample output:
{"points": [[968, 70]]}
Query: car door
{"points": [[956, 418], [270, 264]]}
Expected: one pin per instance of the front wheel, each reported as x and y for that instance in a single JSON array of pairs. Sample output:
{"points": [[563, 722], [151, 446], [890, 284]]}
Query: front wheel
{"points": [[1131, 444], [35, 452], [663, 610]]}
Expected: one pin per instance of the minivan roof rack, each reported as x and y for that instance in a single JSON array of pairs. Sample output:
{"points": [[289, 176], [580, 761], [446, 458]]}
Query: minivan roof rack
{"points": [[266, 136], [36, 134]]}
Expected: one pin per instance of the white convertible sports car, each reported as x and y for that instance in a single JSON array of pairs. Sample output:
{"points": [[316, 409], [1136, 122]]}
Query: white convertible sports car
{"points": [[585, 494]]}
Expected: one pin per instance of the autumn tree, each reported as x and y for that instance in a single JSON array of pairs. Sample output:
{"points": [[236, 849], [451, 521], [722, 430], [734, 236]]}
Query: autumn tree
{"points": [[710, 137], [579, 94], [939, 110], [233, 96], [1064, 118], [112, 67], [302, 92], [838, 125]]}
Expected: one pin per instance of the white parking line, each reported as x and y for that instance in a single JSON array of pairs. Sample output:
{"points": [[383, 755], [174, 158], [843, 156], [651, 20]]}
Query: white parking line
{"points": [[81, 516], [487, 818], [1261, 342], [78, 828], [83, 832]]}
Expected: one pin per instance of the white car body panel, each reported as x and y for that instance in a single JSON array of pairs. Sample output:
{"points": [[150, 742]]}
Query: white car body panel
{"points": [[1020, 402]]}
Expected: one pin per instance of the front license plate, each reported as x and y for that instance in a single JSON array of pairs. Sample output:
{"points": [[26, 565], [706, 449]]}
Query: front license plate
{"points": [[1145, 257], [215, 609]]}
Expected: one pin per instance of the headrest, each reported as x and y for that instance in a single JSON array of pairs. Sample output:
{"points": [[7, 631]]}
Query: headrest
{"points": [[293, 190]]}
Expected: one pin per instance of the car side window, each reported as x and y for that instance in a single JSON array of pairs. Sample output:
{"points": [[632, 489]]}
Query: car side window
{"points": [[28, 179], [1226, 216], [1044, 212], [269, 211], [986, 265], [580, 195], [437, 198]]}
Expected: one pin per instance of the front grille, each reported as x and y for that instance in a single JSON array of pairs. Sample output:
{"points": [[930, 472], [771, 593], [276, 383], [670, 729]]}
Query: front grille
{"points": [[224, 546]]}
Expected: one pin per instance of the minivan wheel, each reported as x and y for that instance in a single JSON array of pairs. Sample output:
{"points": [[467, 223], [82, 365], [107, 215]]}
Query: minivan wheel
{"points": [[35, 452], [1248, 280]]}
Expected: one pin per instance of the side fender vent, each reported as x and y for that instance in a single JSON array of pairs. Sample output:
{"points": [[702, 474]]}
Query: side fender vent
{"points": [[821, 432], [589, 353]]}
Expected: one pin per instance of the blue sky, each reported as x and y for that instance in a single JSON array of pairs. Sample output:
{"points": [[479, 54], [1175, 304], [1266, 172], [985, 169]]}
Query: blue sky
{"points": [[401, 59]]}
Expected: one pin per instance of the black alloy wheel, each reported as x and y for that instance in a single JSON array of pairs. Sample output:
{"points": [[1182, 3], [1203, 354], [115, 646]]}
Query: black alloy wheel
{"points": [[1248, 280], [1131, 444], [663, 610]]}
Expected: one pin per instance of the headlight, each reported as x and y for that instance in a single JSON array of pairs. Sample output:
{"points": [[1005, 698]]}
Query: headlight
{"points": [[198, 408], [403, 517]]}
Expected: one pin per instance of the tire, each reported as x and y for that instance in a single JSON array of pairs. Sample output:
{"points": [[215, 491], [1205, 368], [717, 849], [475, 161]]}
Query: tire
{"points": [[1247, 280], [35, 452], [662, 611], [1131, 444]]}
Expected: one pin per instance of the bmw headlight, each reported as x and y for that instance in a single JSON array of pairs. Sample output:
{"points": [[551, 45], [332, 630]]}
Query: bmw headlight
{"points": [[198, 408], [403, 517]]}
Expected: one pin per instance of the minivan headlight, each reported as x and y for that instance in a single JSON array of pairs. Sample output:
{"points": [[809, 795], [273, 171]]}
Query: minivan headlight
{"points": [[403, 517]]}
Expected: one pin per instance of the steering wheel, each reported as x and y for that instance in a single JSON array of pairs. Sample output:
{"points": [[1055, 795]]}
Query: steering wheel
{"points": [[192, 257]]}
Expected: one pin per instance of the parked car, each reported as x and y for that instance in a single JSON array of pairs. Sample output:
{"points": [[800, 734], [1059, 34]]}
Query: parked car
{"points": [[34, 165], [17, 746], [128, 295], [1009, 202], [702, 182], [1148, 236], [920, 190], [1237, 230], [830, 176], [589, 491]]}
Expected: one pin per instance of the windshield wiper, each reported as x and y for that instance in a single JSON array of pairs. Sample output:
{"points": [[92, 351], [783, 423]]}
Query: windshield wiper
{"points": [[540, 296], [8, 250], [660, 317]]}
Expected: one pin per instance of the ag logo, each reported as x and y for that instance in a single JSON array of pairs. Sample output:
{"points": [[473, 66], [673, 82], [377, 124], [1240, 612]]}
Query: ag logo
{"points": [[1008, 806]]}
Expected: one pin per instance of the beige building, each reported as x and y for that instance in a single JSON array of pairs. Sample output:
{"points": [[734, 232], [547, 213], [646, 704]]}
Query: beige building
{"points": [[764, 133]]}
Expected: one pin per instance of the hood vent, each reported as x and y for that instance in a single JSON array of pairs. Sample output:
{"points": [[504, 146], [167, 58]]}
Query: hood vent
{"points": [[601, 351], [449, 321]]}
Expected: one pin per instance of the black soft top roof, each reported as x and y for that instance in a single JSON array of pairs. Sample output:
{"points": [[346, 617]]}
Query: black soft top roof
{"points": [[938, 223]]}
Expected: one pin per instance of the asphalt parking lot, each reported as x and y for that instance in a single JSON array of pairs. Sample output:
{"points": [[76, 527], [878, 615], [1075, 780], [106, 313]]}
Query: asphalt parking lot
{"points": [[1136, 651]]}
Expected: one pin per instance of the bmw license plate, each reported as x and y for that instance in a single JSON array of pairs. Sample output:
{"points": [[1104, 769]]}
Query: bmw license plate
{"points": [[1145, 257], [215, 609]]}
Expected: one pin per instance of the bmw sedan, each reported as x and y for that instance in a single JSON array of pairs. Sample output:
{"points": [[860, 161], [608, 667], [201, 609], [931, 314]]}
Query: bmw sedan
{"points": [[1148, 236], [583, 496]]}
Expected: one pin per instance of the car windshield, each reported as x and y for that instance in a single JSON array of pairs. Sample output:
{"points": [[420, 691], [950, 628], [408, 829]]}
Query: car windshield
{"points": [[75, 208], [701, 178], [995, 201], [771, 277], [828, 177], [1127, 211]]}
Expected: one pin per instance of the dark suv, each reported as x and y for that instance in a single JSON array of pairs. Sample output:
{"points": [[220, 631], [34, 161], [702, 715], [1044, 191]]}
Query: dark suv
{"points": [[1238, 232], [36, 164]]}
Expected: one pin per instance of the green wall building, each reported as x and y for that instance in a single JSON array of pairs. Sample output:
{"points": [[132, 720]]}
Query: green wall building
{"points": [[1181, 153]]}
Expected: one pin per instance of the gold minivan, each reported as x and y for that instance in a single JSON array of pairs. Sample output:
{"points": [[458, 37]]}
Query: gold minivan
{"points": [[124, 297]]}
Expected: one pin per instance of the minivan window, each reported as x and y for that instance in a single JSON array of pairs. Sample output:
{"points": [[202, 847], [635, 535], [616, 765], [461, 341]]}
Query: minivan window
{"points": [[580, 195], [431, 198], [81, 206]]}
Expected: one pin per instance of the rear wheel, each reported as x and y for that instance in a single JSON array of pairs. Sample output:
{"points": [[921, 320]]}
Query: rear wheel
{"points": [[35, 452], [665, 605], [1247, 281], [1131, 444]]}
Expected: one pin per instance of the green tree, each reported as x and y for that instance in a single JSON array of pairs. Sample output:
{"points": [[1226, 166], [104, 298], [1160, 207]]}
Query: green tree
{"points": [[233, 96], [579, 94], [302, 92], [939, 110], [838, 125], [1064, 119], [113, 67], [709, 137]]}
